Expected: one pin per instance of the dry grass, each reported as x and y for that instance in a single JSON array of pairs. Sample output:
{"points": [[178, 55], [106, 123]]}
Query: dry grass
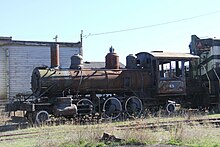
{"points": [[3, 117], [69, 135], [89, 135]]}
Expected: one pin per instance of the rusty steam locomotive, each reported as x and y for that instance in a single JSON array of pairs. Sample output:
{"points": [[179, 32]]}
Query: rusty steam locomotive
{"points": [[148, 81]]}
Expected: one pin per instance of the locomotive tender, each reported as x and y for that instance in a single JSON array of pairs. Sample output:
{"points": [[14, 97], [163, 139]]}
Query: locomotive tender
{"points": [[149, 81]]}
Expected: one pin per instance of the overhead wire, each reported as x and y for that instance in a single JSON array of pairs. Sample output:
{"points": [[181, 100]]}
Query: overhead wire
{"points": [[149, 26]]}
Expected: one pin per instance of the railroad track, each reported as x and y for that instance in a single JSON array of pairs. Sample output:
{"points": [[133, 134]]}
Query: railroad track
{"points": [[153, 125], [136, 126], [51, 122], [15, 136], [22, 135]]}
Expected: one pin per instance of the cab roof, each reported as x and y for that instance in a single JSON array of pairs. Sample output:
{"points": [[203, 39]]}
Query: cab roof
{"points": [[160, 55]]}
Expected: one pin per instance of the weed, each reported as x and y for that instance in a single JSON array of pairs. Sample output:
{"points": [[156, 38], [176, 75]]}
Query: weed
{"points": [[89, 135], [67, 145], [134, 141], [176, 133]]}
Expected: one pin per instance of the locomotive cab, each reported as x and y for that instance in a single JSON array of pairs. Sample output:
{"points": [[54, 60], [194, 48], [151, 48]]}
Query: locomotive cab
{"points": [[171, 73], [171, 77]]}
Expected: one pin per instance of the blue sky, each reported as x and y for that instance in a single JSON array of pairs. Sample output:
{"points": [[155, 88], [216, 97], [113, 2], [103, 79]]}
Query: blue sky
{"points": [[41, 20]]}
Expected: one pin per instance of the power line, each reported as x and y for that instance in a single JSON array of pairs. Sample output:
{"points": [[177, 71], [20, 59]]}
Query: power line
{"points": [[149, 26]]}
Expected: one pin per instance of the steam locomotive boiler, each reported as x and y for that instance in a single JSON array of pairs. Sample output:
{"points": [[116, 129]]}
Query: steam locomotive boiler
{"points": [[149, 80], [83, 85]]}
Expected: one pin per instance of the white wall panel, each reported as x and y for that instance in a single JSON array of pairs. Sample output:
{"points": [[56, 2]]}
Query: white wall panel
{"points": [[23, 59], [3, 73], [215, 50], [65, 56]]}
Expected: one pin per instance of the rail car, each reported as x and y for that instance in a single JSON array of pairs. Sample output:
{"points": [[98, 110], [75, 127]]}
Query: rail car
{"points": [[148, 81], [204, 81]]}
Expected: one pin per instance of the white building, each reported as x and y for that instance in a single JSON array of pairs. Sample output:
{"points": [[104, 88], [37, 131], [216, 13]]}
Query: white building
{"points": [[19, 58]]}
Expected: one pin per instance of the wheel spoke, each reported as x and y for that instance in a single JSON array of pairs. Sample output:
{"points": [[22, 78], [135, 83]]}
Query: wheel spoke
{"points": [[85, 106], [41, 117], [112, 108], [85, 102], [133, 106], [171, 108]]}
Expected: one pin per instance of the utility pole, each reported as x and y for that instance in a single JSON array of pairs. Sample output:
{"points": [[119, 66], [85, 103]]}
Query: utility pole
{"points": [[55, 38]]}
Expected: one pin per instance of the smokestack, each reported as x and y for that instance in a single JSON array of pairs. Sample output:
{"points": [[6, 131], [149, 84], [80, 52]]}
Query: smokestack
{"points": [[55, 57]]}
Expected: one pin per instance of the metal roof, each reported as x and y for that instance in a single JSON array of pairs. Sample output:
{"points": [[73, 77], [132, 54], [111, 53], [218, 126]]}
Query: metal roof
{"points": [[173, 55], [8, 41]]}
